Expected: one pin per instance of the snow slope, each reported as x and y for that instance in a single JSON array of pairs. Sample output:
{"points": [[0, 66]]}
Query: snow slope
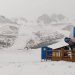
{"points": [[28, 32], [25, 33], [29, 63]]}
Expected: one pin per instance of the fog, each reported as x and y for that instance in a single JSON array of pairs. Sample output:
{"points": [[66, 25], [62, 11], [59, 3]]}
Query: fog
{"points": [[32, 8]]}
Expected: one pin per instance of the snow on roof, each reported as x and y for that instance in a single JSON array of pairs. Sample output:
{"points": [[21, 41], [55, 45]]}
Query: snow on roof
{"points": [[60, 44]]}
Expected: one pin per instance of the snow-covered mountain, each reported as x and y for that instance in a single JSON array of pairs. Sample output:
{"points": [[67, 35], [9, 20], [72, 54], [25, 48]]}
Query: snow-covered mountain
{"points": [[46, 30], [8, 32], [19, 20], [45, 19], [32, 35], [4, 20], [68, 28]]}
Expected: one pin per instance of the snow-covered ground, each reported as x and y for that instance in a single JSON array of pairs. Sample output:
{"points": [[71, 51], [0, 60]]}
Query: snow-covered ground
{"points": [[29, 63]]}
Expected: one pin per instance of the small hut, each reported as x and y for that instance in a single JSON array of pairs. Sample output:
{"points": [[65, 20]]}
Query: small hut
{"points": [[57, 52]]}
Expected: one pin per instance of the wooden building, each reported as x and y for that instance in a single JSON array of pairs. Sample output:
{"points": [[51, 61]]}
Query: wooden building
{"points": [[58, 52]]}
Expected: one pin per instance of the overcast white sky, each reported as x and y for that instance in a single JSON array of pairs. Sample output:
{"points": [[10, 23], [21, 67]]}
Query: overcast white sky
{"points": [[33, 8]]}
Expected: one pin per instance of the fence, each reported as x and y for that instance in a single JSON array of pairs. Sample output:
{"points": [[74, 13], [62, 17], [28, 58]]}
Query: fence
{"points": [[58, 54]]}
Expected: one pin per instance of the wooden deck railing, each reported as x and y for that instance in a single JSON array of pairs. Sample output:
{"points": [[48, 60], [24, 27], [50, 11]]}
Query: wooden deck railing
{"points": [[57, 55]]}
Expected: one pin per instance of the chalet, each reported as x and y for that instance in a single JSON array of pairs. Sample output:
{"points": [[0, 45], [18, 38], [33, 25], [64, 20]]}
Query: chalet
{"points": [[61, 51]]}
